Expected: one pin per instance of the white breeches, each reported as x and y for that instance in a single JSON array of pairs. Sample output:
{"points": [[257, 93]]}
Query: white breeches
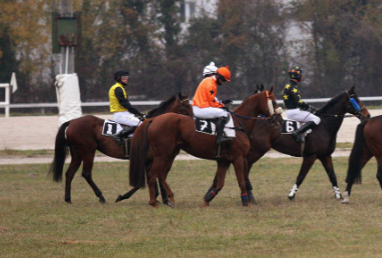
{"points": [[126, 118], [302, 116], [209, 112]]}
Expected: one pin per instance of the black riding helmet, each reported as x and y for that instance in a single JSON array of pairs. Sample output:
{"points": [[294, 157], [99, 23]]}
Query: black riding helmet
{"points": [[118, 74], [295, 73]]}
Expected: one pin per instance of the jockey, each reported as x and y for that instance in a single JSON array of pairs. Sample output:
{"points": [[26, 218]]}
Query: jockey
{"points": [[207, 106], [123, 111], [296, 108], [210, 70]]}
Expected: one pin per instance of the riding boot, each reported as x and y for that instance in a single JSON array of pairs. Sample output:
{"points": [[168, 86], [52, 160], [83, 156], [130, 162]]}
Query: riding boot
{"points": [[124, 133], [220, 131], [305, 127]]}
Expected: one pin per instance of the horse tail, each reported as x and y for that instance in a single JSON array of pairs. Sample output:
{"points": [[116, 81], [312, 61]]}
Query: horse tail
{"points": [[138, 154], [60, 152], [355, 165]]}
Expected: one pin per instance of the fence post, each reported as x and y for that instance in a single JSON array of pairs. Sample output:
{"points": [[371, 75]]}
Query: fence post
{"points": [[7, 98]]}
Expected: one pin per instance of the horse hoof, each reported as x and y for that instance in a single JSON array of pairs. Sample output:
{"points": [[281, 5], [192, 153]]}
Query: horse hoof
{"points": [[291, 197], [102, 200], [171, 204], [345, 201], [205, 204], [338, 196], [119, 198]]}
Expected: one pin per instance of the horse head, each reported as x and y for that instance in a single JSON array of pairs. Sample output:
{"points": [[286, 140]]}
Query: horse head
{"points": [[185, 107], [355, 106]]}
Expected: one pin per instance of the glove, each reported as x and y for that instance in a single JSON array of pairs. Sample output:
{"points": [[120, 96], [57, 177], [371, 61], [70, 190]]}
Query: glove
{"points": [[227, 101], [312, 109], [142, 117]]}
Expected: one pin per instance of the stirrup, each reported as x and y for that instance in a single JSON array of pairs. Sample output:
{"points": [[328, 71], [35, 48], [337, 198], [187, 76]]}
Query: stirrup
{"points": [[222, 140], [298, 137]]}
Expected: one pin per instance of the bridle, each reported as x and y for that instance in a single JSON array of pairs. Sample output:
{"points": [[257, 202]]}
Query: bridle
{"points": [[354, 104], [270, 106]]}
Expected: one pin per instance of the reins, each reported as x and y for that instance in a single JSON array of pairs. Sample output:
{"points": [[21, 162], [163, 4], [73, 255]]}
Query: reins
{"points": [[357, 114]]}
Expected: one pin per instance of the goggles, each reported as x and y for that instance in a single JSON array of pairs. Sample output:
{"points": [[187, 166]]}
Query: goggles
{"points": [[124, 77]]}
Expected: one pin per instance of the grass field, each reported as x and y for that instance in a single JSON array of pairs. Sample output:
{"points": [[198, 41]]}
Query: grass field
{"points": [[36, 222]]}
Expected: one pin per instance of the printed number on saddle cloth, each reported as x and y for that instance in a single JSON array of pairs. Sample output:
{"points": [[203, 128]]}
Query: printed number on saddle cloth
{"points": [[110, 128], [207, 127], [291, 125]]}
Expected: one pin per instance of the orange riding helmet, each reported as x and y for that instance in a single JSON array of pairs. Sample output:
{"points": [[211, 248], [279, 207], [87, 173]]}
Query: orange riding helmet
{"points": [[224, 71]]}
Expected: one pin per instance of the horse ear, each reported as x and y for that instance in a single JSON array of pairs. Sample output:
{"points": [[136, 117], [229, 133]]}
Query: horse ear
{"points": [[256, 90], [262, 87], [186, 97], [352, 89], [270, 90], [180, 95]]}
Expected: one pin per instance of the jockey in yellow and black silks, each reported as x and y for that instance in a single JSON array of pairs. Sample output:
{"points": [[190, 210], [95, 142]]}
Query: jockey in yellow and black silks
{"points": [[296, 108], [123, 111]]}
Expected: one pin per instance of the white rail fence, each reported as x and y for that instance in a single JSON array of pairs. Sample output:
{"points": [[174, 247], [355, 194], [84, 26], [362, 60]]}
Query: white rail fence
{"points": [[9, 106]]}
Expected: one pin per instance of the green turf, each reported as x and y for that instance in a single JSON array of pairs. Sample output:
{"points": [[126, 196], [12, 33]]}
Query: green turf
{"points": [[36, 222]]}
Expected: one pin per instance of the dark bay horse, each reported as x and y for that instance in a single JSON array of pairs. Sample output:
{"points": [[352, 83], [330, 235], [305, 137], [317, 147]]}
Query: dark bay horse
{"points": [[166, 135], [320, 144], [83, 136], [367, 144]]}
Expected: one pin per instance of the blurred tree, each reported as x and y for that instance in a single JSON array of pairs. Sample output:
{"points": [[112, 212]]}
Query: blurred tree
{"points": [[346, 38]]}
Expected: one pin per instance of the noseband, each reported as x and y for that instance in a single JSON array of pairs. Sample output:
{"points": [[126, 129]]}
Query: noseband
{"points": [[355, 105]]}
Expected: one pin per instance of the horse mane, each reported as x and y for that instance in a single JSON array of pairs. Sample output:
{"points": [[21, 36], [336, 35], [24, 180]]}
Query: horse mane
{"points": [[162, 106], [330, 103]]}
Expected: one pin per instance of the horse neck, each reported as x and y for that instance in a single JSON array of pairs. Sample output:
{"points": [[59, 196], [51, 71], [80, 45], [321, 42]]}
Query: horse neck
{"points": [[331, 122], [249, 108], [165, 109]]}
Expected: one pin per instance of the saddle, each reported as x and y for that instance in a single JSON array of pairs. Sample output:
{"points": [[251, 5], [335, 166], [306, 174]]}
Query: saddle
{"points": [[208, 126], [112, 129], [289, 126]]}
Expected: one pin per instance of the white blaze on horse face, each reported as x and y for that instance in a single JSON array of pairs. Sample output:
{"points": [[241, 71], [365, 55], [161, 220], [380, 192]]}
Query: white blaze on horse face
{"points": [[270, 106], [279, 110]]}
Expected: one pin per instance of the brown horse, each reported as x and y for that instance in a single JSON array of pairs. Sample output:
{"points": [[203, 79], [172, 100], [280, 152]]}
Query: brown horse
{"points": [[83, 136], [367, 144], [320, 144], [167, 134]]}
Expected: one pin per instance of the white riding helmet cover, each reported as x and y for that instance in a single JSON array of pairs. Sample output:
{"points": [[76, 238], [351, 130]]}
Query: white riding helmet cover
{"points": [[209, 69]]}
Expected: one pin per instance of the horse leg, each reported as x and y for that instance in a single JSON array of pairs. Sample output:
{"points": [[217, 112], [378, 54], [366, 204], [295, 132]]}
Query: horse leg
{"points": [[166, 188], [379, 171], [252, 158], [127, 195], [160, 164], [87, 174], [327, 162], [366, 156], [307, 163], [241, 168], [75, 163], [219, 177]]}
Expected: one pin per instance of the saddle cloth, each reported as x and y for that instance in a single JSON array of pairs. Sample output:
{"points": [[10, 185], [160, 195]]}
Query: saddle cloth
{"points": [[208, 127], [291, 125], [111, 128]]}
